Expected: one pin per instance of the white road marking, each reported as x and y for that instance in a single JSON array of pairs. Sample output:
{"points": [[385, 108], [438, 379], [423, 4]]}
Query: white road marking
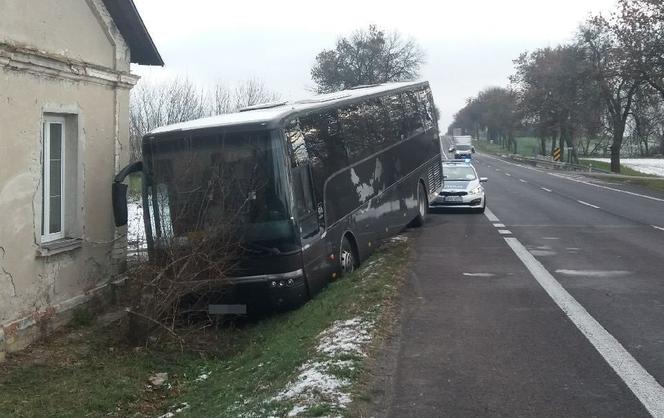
{"points": [[587, 204], [504, 232], [508, 174], [550, 238], [490, 216], [607, 187], [542, 253], [523, 181], [594, 273], [639, 381], [499, 225], [545, 189], [657, 227], [479, 274], [497, 169]]}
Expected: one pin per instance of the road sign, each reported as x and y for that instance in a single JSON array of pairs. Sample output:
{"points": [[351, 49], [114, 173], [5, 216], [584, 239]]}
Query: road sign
{"points": [[556, 154]]}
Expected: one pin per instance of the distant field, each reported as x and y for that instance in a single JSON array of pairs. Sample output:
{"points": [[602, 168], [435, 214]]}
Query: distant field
{"points": [[640, 166]]}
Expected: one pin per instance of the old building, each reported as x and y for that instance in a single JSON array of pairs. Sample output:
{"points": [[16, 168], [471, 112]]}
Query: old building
{"points": [[64, 113]]}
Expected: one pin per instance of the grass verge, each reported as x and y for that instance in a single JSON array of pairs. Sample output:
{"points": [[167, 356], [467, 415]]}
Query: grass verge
{"points": [[89, 372], [489, 148]]}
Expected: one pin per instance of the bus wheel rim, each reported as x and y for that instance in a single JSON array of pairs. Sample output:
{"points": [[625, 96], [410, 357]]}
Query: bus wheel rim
{"points": [[421, 203], [347, 261]]}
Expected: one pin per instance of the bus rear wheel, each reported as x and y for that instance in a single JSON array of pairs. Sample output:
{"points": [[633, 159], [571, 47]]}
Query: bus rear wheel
{"points": [[422, 206], [347, 257]]}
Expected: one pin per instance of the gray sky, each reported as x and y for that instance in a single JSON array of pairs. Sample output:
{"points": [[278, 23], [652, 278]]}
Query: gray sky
{"points": [[469, 44]]}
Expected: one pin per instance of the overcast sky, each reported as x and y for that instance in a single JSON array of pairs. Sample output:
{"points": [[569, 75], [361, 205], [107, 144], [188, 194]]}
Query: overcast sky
{"points": [[469, 44]]}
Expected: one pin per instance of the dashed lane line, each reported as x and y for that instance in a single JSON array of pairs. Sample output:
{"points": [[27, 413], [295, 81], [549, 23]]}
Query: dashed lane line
{"points": [[508, 174], [490, 216], [499, 225], [657, 227], [523, 181], [545, 189], [588, 204], [640, 382], [504, 232]]}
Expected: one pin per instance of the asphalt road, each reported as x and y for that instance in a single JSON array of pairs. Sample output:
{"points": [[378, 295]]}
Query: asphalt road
{"points": [[552, 305]]}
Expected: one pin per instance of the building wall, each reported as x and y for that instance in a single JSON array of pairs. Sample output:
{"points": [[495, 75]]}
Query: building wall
{"points": [[65, 27], [68, 61]]}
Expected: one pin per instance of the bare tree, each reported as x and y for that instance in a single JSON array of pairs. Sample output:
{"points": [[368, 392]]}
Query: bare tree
{"points": [[367, 57], [618, 79], [155, 104], [248, 93]]}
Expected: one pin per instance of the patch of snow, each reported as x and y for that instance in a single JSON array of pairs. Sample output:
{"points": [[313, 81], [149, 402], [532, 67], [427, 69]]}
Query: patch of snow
{"points": [[345, 337], [176, 410], [203, 376], [135, 226], [653, 166], [399, 238], [316, 381]]}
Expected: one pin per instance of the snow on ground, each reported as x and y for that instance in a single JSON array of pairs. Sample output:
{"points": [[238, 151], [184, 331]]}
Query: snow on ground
{"points": [[654, 166], [135, 226], [318, 381]]}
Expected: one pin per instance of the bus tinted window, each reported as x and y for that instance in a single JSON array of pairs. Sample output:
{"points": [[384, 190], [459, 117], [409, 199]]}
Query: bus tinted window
{"points": [[394, 110], [325, 147], [412, 113], [426, 108]]}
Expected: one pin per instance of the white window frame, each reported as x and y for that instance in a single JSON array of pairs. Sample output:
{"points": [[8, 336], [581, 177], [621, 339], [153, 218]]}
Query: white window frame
{"points": [[48, 236]]}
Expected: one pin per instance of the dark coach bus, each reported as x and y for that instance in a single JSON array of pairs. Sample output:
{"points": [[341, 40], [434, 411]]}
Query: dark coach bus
{"points": [[304, 190]]}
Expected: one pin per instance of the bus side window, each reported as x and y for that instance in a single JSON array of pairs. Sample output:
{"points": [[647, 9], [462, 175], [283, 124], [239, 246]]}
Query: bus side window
{"points": [[394, 128], [412, 113]]}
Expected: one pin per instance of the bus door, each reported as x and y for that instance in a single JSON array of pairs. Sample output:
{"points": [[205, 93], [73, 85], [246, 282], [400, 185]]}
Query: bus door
{"points": [[311, 227]]}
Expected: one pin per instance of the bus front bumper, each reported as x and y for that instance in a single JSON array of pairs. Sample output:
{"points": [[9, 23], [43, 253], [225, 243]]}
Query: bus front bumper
{"points": [[262, 292]]}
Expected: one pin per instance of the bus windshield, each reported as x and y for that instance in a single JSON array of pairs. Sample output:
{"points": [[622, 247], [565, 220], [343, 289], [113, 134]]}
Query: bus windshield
{"points": [[226, 184]]}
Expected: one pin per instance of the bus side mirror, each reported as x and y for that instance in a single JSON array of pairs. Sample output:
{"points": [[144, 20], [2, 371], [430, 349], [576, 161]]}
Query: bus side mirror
{"points": [[119, 194]]}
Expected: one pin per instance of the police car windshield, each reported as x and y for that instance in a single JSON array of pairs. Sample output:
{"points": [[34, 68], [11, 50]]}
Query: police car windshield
{"points": [[458, 173]]}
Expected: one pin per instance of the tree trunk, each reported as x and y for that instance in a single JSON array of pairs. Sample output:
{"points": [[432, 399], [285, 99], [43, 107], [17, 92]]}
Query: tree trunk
{"points": [[616, 145], [615, 158], [553, 144]]}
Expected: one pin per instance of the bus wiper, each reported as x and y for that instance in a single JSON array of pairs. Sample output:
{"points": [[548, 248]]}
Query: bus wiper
{"points": [[260, 249]]}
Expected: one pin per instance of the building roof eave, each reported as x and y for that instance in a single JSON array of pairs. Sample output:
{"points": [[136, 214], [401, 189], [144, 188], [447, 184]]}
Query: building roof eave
{"points": [[133, 30]]}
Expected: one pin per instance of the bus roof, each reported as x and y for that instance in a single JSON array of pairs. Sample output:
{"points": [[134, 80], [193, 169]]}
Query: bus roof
{"points": [[276, 111]]}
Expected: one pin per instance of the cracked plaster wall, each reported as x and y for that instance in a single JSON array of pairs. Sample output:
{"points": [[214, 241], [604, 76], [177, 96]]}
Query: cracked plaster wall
{"points": [[31, 283]]}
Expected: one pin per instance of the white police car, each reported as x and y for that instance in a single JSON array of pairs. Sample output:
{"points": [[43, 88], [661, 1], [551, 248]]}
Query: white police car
{"points": [[462, 188]]}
